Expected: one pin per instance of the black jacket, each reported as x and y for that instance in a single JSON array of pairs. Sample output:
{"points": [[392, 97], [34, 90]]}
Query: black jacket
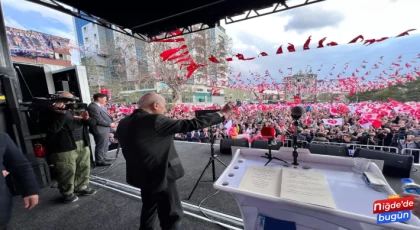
{"points": [[147, 142], [59, 135], [13, 161]]}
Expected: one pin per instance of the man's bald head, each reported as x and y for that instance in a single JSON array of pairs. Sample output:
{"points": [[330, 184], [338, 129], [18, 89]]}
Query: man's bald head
{"points": [[152, 103], [66, 94]]}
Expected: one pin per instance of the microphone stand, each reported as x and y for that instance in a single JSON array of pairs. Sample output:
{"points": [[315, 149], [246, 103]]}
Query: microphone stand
{"points": [[295, 153], [212, 159], [269, 156]]}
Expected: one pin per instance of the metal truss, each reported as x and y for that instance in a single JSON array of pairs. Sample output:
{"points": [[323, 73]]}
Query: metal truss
{"points": [[278, 7], [90, 18], [184, 31]]}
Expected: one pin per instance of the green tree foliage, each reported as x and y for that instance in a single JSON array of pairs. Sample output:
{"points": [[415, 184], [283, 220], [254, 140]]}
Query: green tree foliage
{"points": [[409, 91]]}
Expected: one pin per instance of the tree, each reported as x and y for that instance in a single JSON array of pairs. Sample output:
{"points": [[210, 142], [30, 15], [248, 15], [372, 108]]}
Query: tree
{"points": [[132, 63], [200, 46], [112, 61], [409, 91]]}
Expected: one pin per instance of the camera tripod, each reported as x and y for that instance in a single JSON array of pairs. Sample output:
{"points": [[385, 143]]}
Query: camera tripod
{"points": [[211, 162]]}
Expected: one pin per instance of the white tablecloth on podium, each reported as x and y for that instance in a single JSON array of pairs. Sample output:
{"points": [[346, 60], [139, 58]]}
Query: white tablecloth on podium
{"points": [[353, 198]]}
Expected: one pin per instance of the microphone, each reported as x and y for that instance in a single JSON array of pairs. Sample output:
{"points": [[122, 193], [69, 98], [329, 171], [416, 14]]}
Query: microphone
{"points": [[297, 112], [270, 133]]}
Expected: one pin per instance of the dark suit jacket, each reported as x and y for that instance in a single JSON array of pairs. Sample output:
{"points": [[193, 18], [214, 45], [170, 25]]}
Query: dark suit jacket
{"points": [[147, 142], [13, 160], [102, 118]]}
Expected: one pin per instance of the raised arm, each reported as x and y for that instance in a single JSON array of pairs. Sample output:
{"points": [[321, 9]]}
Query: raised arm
{"points": [[166, 126]]}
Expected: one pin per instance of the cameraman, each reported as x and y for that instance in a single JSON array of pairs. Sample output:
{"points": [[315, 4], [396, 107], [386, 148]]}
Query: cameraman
{"points": [[68, 141]]}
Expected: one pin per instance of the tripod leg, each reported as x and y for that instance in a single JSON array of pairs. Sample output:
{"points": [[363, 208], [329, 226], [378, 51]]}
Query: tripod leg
{"points": [[198, 181], [221, 162], [213, 169], [267, 162], [280, 160]]}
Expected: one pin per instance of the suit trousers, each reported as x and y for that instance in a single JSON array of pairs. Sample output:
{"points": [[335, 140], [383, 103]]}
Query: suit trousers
{"points": [[101, 145], [72, 168], [166, 205], [5, 222]]}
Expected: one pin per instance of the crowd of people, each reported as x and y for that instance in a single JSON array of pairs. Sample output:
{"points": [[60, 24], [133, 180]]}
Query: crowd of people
{"points": [[400, 130]]}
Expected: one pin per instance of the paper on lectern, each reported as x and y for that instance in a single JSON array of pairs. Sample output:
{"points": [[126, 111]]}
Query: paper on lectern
{"points": [[306, 186], [293, 184], [262, 180]]}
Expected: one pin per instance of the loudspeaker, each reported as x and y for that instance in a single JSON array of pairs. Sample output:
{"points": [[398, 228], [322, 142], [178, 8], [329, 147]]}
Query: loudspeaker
{"points": [[263, 144], [226, 144], [395, 165], [316, 148], [240, 143]]}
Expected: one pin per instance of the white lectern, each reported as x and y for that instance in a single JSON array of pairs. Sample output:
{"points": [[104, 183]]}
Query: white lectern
{"points": [[353, 198]]}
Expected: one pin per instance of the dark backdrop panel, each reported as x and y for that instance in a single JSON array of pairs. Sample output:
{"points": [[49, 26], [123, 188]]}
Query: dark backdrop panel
{"points": [[35, 81], [67, 78]]}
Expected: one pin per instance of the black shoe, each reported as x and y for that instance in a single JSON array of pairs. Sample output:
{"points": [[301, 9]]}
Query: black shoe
{"points": [[103, 163], [70, 198], [88, 191]]}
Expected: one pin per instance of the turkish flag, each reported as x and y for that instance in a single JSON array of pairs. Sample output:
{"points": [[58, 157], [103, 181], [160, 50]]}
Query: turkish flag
{"points": [[370, 116], [337, 121], [297, 99]]}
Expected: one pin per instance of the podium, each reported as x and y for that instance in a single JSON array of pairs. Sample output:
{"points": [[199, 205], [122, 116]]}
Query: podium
{"points": [[353, 198]]}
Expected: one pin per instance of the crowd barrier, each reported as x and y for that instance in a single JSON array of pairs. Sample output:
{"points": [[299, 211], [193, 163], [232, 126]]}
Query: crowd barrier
{"points": [[409, 151], [359, 146]]}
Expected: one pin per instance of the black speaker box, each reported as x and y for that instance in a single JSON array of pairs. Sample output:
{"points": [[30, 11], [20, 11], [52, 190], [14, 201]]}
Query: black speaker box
{"points": [[395, 165], [42, 176], [226, 144], [263, 144]]}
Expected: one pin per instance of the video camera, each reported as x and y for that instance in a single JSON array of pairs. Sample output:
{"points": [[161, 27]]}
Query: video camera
{"points": [[47, 103]]}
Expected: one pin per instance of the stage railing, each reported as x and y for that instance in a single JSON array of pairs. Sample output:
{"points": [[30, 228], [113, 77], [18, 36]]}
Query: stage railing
{"points": [[289, 143], [353, 146]]}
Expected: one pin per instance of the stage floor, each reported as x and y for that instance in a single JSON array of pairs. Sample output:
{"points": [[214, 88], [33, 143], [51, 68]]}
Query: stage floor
{"points": [[112, 210]]}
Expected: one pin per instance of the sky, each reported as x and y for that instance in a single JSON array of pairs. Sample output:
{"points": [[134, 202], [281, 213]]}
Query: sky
{"points": [[338, 20]]}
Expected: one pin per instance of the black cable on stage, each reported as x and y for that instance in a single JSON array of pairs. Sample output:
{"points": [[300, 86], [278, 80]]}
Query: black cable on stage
{"points": [[109, 168]]}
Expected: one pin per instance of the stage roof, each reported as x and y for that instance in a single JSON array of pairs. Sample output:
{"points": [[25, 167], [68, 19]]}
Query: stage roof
{"points": [[148, 19]]}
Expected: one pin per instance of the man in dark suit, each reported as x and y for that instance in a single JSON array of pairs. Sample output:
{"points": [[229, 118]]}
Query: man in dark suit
{"points": [[100, 131], [153, 165], [12, 160]]}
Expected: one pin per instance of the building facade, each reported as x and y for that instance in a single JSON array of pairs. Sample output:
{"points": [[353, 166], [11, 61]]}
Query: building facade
{"points": [[33, 47], [300, 84], [78, 25]]}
